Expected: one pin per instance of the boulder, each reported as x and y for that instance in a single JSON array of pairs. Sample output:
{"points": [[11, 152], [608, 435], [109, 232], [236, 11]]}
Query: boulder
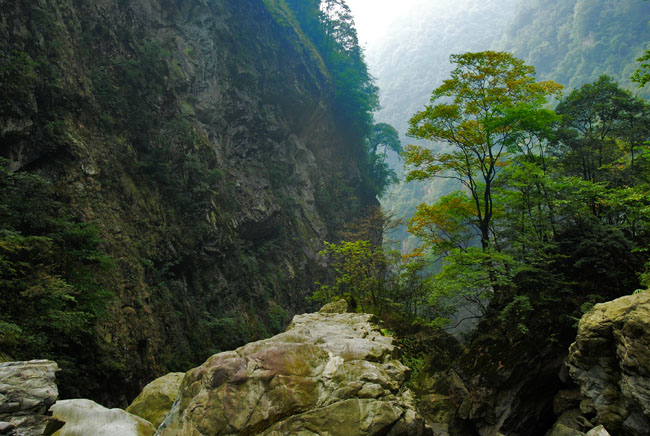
{"points": [[568, 424], [27, 390], [329, 373], [156, 399], [85, 417], [566, 399], [598, 431], [610, 360]]}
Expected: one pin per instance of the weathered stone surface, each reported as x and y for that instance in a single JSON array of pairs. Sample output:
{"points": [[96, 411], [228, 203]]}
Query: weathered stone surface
{"points": [[563, 430], [566, 399], [598, 431], [85, 418], [27, 390], [610, 359], [569, 423], [329, 373], [156, 399]]}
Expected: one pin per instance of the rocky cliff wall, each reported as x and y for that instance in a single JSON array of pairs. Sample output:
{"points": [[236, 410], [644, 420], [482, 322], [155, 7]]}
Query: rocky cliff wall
{"points": [[610, 360], [199, 137]]}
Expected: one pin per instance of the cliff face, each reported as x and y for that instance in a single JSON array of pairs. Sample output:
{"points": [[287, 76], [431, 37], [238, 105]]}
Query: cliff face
{"points": [[610, 360], [199, 137]]}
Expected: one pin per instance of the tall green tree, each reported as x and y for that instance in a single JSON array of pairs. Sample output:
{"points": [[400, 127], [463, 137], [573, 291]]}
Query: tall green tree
{"points": [[601, 124], [382, 138], [489, 108], [51, 284]]}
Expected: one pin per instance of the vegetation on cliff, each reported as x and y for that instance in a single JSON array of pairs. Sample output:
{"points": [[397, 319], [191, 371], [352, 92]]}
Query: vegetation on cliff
{"points": [[51, 287], [207, 149]]}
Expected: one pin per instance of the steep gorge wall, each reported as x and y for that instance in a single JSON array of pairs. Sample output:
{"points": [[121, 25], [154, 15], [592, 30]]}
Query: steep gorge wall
{"points": [[199, 137]]}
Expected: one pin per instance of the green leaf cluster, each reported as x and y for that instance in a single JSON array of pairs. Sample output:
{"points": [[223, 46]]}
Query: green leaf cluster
{"points": [[558, 200], [51, 268]]}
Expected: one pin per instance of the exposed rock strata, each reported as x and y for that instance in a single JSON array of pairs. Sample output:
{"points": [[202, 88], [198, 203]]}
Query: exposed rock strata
{"points": [[199, 136], [610, 359], [500, 387], [27, 390], [329, 373]]}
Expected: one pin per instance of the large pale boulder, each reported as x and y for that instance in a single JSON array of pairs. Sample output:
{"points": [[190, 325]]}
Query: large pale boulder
{"points": [[156, 399], [610, 360], [27, 390], [328, 374], [85, 418]]}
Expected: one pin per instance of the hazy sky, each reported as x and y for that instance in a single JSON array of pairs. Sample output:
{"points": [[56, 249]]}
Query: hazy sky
{"points": [[374, 17]]}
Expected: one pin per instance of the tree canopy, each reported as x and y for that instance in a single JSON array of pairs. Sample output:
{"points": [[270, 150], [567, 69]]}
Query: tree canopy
{"points": [[491, 106]]}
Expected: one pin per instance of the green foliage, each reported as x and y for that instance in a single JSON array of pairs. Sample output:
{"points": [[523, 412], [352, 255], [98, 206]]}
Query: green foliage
{"points": [[379, 280], [577, 221], [517, 312], [381, 139], [129, 90], [359, 267], [18, 77], [470, 277], [51, 267], [330, 27], [603, 129], [483, 111], [576, 41], [567, 197], [642, 74]]}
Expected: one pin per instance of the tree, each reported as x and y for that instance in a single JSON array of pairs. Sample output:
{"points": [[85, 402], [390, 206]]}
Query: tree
{"points": [[595, 118], [642, 74], [52, 274], [382, 137], [489, 107]]}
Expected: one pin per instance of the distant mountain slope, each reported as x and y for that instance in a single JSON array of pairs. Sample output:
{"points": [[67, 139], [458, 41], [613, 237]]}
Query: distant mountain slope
{"points": [[413, 57], [575, 41]]}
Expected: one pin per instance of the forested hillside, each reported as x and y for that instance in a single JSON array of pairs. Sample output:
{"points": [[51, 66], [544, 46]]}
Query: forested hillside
{"points": [[576, 41], [534, 210]]}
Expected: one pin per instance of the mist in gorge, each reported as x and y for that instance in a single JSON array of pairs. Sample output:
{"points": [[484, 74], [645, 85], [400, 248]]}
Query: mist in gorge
{"points": [[408, 44]]}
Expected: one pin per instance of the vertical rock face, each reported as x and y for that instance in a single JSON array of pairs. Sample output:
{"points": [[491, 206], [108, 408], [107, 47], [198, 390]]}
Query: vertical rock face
{"points": [[610, 359], [329, 373], [501, 387], [199, 137], [27, 390]]}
